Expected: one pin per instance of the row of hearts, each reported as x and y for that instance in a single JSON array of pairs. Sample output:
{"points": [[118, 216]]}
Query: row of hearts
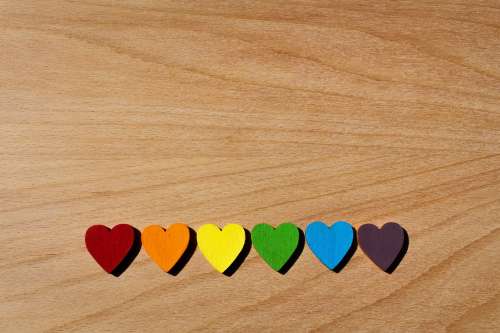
{"points": [[279, 247]]}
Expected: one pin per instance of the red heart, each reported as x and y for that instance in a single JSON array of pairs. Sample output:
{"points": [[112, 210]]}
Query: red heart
{"points": [[110, 247]]}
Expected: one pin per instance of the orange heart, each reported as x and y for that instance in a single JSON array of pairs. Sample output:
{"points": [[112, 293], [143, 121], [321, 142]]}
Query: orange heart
{"points": [[166, 247]]}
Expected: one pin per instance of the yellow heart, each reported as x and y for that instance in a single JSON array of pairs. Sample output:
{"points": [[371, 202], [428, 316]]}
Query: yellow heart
{"points": [[221, 247]]}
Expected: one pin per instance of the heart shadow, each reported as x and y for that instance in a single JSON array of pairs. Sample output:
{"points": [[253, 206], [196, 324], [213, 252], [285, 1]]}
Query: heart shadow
{"points": [[241, 256], [295, 255], [129, 258], [401, 254], [183, 260]]}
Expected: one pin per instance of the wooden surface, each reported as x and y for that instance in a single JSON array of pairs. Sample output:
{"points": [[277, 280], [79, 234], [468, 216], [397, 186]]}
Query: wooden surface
{"points": [[156, 112]]}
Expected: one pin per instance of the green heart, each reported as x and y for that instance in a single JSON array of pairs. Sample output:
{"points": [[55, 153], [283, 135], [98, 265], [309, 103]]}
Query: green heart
{"points": [[275, 246]]}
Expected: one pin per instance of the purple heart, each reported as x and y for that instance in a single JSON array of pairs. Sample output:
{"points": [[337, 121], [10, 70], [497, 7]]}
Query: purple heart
{"points": [[386, 246]]}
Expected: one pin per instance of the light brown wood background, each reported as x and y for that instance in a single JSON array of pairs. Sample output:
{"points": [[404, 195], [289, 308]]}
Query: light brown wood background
{"points": [[154, 112]]}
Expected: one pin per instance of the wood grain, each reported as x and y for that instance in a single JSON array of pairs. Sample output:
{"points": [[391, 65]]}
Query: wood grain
{"points": [[156, 112]]}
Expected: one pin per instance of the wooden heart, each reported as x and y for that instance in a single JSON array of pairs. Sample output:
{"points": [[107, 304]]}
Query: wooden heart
{"points": [[383, 246], [275, 246], [221, 247], [166, 247], [110, 247], [331, 245]]}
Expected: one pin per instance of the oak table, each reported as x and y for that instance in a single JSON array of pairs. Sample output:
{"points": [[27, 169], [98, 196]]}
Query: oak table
{"points": [[157, 112]]}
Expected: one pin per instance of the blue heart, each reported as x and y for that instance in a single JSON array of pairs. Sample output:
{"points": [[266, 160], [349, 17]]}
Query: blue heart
{"points": [[330, 244]]}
